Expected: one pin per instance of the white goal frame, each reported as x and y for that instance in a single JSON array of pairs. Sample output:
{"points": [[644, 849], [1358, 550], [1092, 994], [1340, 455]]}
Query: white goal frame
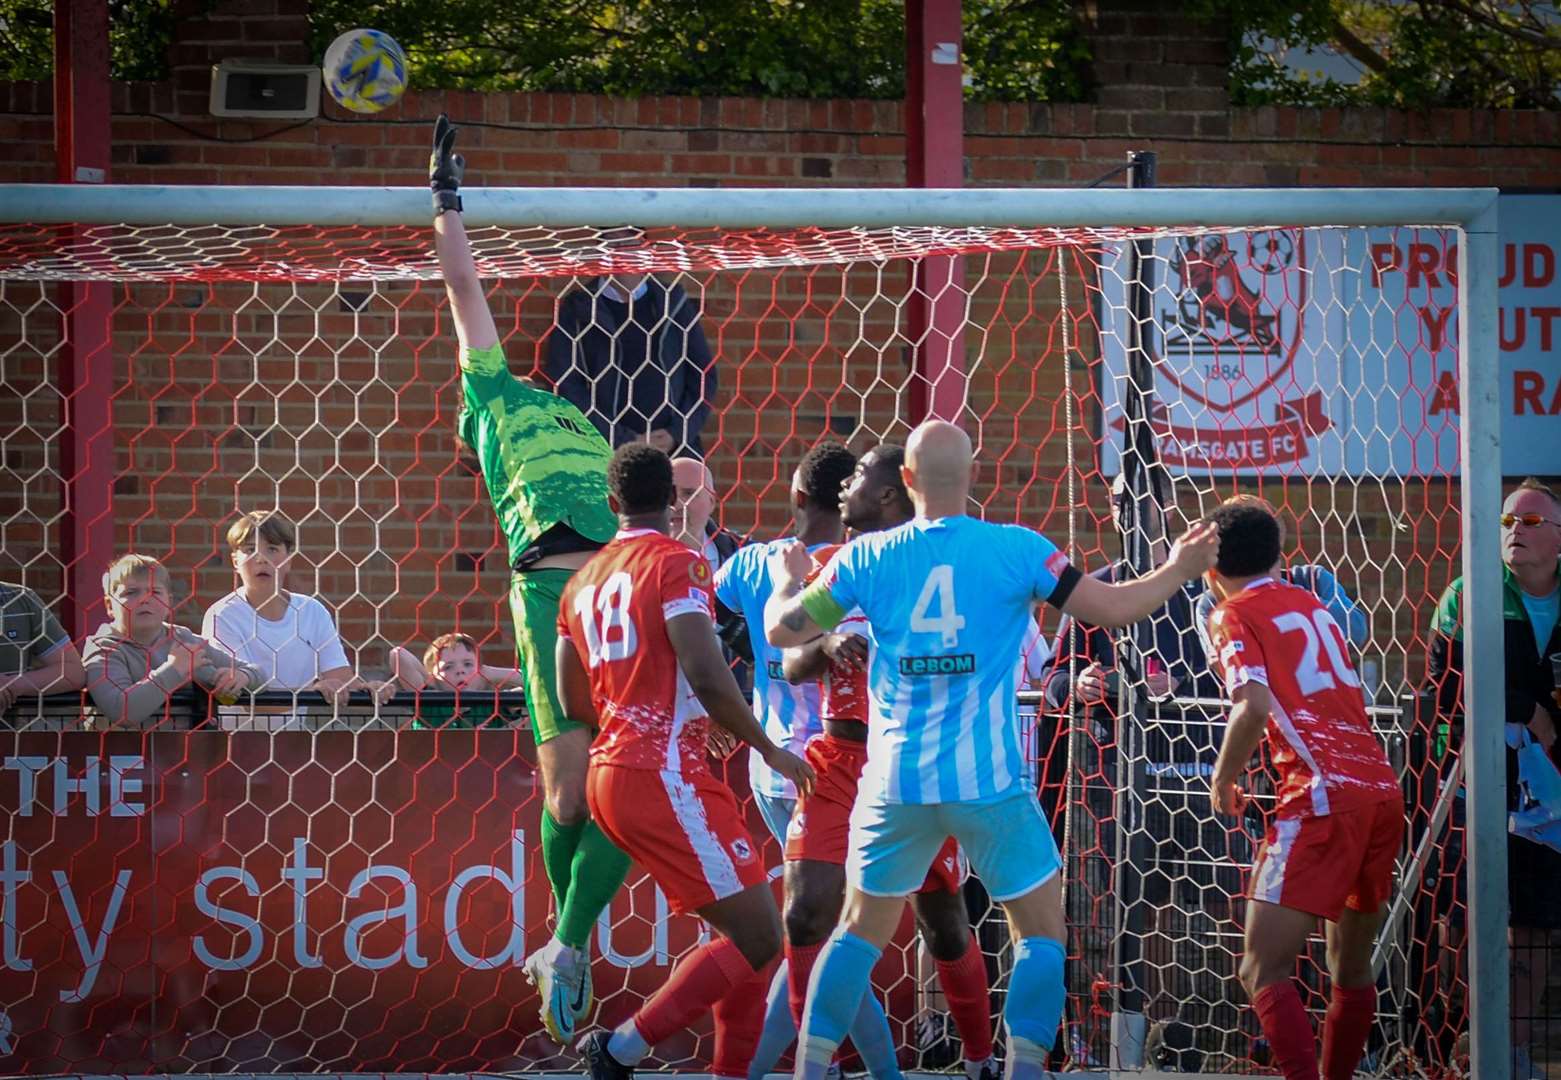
{"points": [[1472, 211]]}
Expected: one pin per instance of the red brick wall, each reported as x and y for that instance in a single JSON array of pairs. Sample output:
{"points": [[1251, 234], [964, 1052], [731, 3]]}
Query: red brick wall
{"points": [[391, 516], [730, 142]]}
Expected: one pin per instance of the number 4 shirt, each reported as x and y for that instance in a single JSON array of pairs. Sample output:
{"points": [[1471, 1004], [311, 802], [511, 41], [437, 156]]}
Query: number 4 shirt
{"points": [[614, 613], [949, 601], [1323, 746]]}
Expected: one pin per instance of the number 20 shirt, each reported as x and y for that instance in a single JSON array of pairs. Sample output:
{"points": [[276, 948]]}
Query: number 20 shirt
{"points": [[1327, 757]]}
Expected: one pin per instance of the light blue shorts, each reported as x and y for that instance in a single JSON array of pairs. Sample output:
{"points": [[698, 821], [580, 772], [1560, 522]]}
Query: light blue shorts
{"points": [[776, 810], [1007, 840]]}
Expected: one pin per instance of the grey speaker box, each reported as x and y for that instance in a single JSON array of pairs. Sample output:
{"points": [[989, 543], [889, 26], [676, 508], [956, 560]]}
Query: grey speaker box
{"points": [[256, 88]]}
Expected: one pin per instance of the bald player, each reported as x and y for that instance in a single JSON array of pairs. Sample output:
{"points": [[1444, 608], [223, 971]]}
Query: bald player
{"points": [[948, 599]]}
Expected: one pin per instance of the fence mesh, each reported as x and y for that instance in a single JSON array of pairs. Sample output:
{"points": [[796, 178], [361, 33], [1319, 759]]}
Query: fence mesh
{"points": [[354, 893]]}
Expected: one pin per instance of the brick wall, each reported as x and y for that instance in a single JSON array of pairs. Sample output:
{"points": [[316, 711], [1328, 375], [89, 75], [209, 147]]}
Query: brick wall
{"points": [[388, 514]]}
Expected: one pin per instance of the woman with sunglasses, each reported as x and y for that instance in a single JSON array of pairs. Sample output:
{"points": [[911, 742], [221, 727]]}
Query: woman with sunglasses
{"points": [[1531, 612]]}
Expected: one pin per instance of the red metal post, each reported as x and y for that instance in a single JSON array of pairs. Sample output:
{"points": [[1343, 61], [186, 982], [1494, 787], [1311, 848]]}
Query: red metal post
{"points": [[935, 157], [86, 360]]}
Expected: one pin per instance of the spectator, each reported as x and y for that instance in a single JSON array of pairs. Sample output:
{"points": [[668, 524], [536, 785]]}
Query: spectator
{"points": [[630, 353], [693, 516], [138, 658], [291, 638], [693, 523], [1531, 613], [1315, 579], [1033, 667], [1084, 657], [1034, 655], [453, 662], [1181, 843], [36, 655]]}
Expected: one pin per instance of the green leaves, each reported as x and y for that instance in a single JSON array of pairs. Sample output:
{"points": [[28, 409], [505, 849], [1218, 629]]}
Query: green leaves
{"points": [[1409, 55], [139, 32], [1015, 50], [1029, 50]]}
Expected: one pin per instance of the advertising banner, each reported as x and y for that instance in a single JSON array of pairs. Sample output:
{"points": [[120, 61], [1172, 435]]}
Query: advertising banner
{"points": [[1333, 351], [350, 902]]}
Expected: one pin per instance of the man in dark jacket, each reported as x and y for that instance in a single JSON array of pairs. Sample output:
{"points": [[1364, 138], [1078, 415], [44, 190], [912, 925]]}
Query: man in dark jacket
{"points": [[1179, 844], [1084, 657], [1531, 615], [630, 353]]}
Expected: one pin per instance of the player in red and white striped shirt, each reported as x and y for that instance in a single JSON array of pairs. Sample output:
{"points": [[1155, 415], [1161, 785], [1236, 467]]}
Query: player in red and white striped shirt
{"points": [[639, 660], [1331, 844]]}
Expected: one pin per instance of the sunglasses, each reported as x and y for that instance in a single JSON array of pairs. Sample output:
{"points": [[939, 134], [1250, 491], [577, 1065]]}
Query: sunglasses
{"points": [[1533, 521]]}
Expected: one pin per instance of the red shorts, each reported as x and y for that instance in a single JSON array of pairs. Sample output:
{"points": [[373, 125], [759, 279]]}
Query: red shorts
{"points": [[1322, 865], [821, 825], [686, 831]]}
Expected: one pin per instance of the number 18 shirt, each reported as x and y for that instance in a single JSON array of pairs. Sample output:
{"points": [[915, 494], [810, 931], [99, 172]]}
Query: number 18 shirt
{"points": [[1327, 757], [614, 613]]}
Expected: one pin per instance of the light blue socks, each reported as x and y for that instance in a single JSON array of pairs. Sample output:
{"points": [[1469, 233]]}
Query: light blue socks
{"points": [[840, 979], [1034, 1007]]}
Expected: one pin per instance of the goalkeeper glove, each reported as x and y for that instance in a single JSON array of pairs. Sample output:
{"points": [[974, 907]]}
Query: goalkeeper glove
{"points": [[445, 168]]}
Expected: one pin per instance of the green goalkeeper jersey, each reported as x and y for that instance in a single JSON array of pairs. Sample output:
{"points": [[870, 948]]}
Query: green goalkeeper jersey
{"points": [[543, 461]]}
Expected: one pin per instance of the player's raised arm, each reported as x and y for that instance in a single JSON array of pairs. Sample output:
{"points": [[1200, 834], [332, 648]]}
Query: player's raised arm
{"points": [[468, 306], [1122, 603], [699, 655], [787, 621]]}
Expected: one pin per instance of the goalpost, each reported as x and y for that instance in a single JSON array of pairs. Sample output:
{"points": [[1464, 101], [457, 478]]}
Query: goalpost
{"points": [[357, 898]]}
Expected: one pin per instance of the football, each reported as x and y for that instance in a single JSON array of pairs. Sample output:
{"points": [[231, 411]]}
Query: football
{"points": [[365, 70]]}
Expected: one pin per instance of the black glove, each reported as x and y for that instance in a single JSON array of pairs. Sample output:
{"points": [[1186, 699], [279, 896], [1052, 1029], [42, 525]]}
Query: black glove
{"points": [[445, 169], [732, 629]]}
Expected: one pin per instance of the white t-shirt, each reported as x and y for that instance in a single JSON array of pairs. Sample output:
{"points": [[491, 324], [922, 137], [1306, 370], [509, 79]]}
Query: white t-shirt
{"points": [[291, 651]]}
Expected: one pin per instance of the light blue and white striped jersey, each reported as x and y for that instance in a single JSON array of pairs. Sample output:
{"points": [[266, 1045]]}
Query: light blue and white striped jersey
{"points": [[789, 714], [949, 601]]}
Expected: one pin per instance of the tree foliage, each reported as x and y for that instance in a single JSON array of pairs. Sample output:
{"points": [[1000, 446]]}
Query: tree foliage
{"points": [[139, 32], [1406, 53], [1411, 54], [1015, 50]]}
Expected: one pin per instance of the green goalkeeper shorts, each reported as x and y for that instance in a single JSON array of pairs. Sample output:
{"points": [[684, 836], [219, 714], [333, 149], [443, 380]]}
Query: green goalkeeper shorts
{"points": [[533, 602]]}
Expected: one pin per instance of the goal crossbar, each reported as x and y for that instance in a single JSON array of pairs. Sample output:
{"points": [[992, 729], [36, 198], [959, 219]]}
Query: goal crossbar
{"points": [[747, 208]]}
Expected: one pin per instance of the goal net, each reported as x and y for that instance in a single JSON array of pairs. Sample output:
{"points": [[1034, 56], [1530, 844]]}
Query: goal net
{"points": [[352, 889]]}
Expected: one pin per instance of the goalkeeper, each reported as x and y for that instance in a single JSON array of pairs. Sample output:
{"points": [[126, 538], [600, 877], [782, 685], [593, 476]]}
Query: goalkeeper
{"points": [[545, 467]]}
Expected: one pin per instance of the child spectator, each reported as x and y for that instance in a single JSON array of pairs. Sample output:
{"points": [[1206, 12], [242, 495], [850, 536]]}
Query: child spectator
{"points": [[291, 637], [454, 662], [138, 658]]}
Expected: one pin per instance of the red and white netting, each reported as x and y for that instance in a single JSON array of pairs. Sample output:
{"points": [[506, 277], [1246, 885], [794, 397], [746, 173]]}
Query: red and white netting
{"points": [[304, 253], [356, 895]]}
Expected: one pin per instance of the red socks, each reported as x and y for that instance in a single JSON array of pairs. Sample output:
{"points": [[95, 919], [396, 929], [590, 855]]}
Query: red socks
{"points": [[799, 968], [1288, 1030], [739, 1019], [965, 988], [1350, 1016], [700, 979]]}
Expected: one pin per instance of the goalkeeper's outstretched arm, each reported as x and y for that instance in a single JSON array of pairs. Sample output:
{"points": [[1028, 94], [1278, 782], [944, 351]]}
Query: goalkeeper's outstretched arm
{"points": [[468, 306]]}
